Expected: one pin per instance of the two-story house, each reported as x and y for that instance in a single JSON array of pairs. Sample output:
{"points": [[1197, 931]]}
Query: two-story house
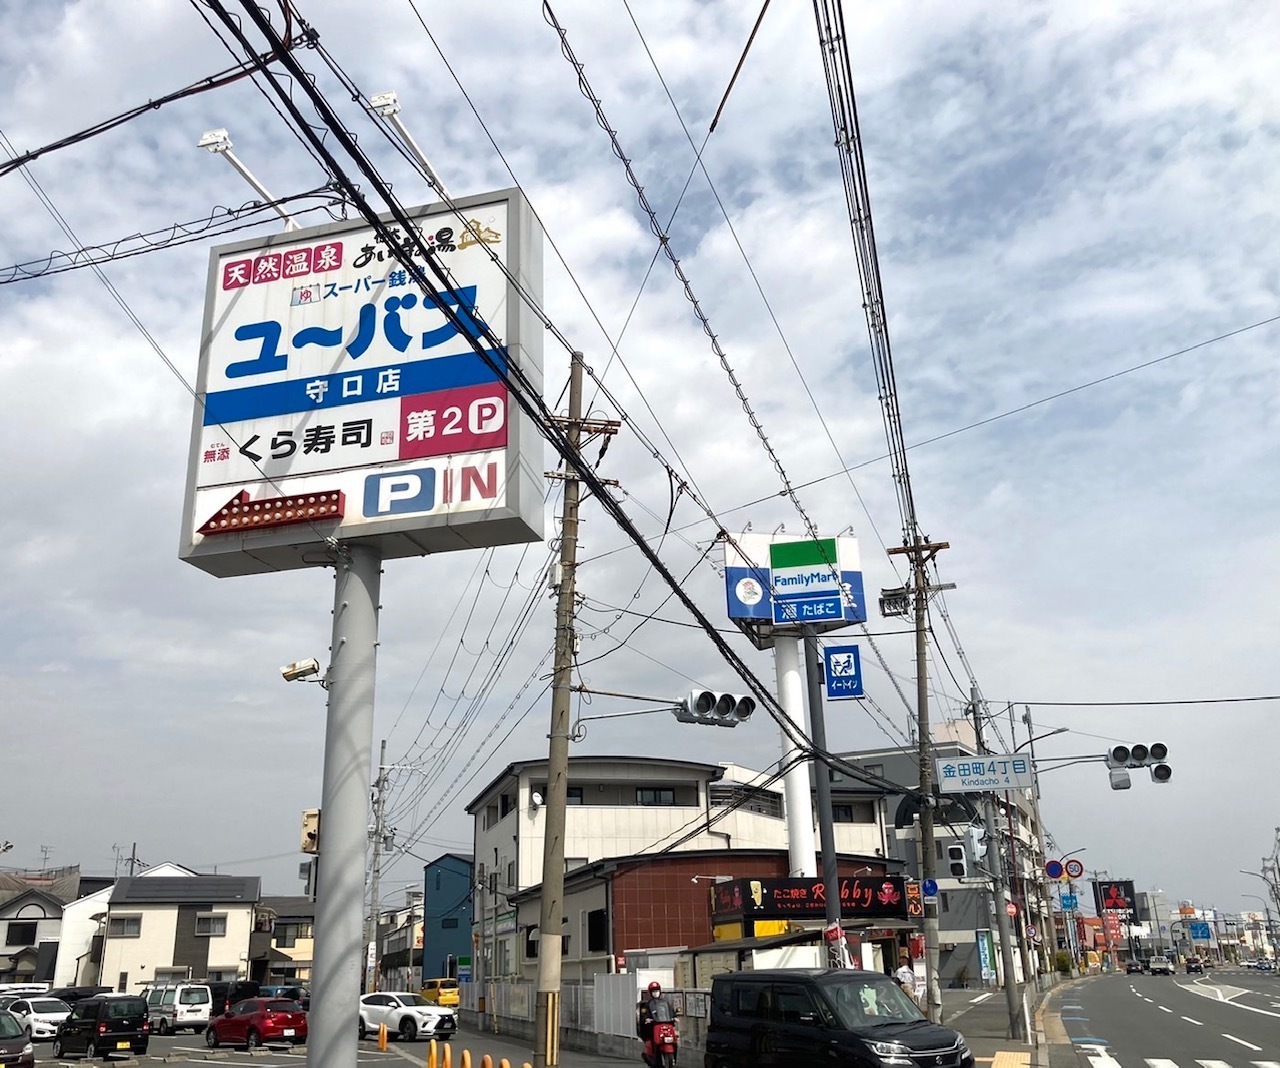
{"points": [[644, 840]]}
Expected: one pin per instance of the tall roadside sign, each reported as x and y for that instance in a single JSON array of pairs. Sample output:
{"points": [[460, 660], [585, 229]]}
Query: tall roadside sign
{"points": [[335, 400], [343, 418]]}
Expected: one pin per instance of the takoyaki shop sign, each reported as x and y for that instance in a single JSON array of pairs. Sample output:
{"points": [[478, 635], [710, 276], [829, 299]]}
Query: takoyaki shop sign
{"points": [[878, 897]]}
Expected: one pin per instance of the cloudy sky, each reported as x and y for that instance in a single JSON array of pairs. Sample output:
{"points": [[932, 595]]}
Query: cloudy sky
{"points": [[1074, 208]]}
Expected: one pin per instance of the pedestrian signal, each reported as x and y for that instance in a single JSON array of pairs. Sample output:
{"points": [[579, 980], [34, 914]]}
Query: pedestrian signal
{"points": [[957, 861]]}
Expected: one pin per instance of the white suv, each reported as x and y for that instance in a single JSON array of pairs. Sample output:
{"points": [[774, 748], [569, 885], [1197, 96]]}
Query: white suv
{"points": [[407, 1015]]}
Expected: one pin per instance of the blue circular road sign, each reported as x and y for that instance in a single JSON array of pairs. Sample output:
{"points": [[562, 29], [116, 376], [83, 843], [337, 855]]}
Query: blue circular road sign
{"points": [[929, 888]]}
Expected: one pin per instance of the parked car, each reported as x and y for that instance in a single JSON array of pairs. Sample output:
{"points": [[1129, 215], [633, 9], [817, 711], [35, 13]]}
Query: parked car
{"points": [[1133, 966], [8, 999], [257, 1021], [16, 1048], [407, 1015], [175, 1007], [442, 991], [1161, 966], [104, 1024], [72, 994], [1194, 966], [300, 994], [227, 994], [40, 1017], [840, 1018]]}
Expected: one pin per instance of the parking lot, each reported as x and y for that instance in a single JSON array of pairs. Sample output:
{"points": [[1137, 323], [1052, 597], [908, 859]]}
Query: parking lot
{"points": [[186, 1044]]}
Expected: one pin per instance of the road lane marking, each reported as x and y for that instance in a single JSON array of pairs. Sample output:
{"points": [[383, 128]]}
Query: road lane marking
{"points": [[981, 998], [1190, 1020], [1163, 1009], [1247, 1045]]}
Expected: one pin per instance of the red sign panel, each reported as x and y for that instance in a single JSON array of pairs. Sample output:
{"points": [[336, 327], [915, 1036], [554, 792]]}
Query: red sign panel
{"points": [[447, 421]]}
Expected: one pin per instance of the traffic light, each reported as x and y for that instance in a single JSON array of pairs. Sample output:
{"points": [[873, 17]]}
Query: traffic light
{"points": [[311, 830], [1120, 758], [975, 841], [716, 709], [958, 861]]}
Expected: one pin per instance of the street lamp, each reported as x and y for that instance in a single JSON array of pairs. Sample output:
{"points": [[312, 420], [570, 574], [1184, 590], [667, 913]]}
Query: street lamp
{"points": [[1266, 912], [1047, 734]]}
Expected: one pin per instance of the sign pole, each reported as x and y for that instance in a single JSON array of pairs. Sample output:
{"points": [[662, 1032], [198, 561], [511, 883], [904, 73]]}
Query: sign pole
{"points": [[801, 850], [837, 954], [344, 839], [995, 869]]}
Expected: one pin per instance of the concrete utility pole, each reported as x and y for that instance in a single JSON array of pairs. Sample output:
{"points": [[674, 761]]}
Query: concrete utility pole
{"points": [[546, 1033], [921, 552], [995, 868], [375, 872], [1047, 937], [801, 850]]}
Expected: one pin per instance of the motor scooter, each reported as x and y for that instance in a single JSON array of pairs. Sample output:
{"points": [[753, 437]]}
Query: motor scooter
{"points": [[661, 1047]]}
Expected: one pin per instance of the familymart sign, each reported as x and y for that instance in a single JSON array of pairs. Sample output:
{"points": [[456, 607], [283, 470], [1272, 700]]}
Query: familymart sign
{"points": [[808, 582]]}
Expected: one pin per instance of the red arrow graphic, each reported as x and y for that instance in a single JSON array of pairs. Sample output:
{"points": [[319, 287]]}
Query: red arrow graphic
{"points": [[240, 513]]}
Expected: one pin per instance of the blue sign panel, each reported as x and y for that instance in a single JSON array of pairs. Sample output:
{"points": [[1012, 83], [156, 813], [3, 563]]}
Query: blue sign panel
{"points": [[1070, 902], [842, 671], [1199, 931], [929, 887]]}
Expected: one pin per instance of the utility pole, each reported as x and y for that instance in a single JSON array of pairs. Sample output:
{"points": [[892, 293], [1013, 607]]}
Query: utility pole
{"points": [[995, 868], [1047, 937], [375, 874], [546, 1033], [921, 552]]}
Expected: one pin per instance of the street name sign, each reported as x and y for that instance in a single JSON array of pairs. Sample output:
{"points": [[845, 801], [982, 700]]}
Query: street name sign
{"points": [[979, 773]]}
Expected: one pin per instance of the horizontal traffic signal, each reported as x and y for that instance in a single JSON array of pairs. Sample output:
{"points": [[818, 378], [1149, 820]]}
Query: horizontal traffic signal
{"points": [[1120, 758], [715, 708]]}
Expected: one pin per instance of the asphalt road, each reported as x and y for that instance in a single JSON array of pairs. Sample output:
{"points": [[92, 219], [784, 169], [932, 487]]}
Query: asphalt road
{"points": [[1228, 1018], [176, 1046]]}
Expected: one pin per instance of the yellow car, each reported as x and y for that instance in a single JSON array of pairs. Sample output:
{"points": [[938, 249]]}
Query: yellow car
{"points": [[441, 992]]}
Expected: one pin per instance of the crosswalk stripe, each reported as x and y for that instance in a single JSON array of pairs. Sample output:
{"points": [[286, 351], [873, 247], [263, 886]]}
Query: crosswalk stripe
{"points": [[1267, 1064], [1213, 1064], [1161, 1064], [1103, 1060]]}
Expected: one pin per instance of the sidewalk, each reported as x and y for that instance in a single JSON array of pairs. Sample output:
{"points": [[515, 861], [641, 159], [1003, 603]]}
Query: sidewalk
{"points": [[982, 1016]]}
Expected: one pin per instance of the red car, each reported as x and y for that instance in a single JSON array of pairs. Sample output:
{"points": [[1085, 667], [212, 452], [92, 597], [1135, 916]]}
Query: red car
{"points": [[258, 1021]]}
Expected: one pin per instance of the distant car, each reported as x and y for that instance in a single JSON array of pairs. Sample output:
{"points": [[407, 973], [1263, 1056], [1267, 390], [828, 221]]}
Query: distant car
{"points": [[1161, 966], [258, 1021], [1133, 966], [104, 1024], [1194, 966], [407, 1015], [40, 1016], [15, 1047], [1266, 966], [8, 999], [442, 991]]}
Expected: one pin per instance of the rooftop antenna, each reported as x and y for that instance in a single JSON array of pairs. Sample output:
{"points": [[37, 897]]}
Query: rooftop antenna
{"points": [[387, 105], [219, 143]]}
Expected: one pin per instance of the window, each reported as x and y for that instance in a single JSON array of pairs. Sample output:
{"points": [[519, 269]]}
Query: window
{"points": [[937, 847], [597, 931], [287, 934], [574, 796], [211, 925], [511, 873], [449, 922], [944, 901], [490, 816], [655, 795], [531, 943], [20, 934], [125, 927], [853, 812]]}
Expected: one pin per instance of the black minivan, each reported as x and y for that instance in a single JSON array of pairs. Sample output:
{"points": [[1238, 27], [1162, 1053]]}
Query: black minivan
{"points": [[837, 1017], [104, 1024]]}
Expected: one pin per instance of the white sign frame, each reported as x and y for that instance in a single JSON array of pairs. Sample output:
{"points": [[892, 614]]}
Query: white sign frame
{"points": [[999, 771]]}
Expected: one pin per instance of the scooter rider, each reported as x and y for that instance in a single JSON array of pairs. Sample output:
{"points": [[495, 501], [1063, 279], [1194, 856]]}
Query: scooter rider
{"points": [[654, 1009]]}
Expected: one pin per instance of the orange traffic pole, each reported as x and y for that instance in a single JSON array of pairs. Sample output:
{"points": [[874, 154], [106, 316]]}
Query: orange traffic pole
{"points": [[382, 1036], [486, 1061], [466, 1058], [432, 1054], [448, 1055]]}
